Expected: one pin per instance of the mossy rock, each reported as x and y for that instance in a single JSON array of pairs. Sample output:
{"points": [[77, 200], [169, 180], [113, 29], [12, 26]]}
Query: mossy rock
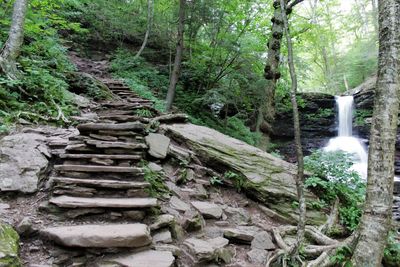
{"points": [[9, 246], [84, 83], [263, 177]]}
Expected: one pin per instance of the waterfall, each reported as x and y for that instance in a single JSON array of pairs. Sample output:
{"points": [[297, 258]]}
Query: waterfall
{"points": [[345, 141], [345, 107]]}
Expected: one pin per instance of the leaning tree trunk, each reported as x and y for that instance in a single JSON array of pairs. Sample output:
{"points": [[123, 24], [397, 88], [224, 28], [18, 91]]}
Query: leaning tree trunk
{"points": [[178, 57], [376, 219], [150, 11], [296, 123], [11, 50]]}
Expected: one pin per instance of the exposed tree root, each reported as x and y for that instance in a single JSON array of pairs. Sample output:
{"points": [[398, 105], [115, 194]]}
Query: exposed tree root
{"points": [[60, 113], [321, 253]]}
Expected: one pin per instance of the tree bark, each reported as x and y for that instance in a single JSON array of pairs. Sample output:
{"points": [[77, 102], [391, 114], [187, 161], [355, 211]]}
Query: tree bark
{"points": [[297, 136], [178, 57], [149, 22], [375, 222], [266, 113], [11, 50]]}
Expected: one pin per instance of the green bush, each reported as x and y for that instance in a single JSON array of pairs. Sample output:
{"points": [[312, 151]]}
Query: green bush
{"points": [[333, 178]]}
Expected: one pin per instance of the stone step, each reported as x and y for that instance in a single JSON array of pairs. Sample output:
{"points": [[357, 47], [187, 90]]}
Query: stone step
{"points": [[100, 236], [125, 118], [99, 202], [114, 184], [129, 126], [148, 258], [100, 156], [95, 168], [124, 145]]}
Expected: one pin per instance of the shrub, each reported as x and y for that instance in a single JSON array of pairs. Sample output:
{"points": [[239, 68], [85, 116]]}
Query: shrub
{"points": [[333, 178]]}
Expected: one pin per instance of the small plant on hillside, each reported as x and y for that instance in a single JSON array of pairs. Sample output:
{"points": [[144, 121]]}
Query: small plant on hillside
{"points": [[333, 178], [157, 186]]}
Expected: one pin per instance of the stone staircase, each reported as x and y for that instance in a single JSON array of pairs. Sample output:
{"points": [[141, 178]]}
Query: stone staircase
{"points": [[99, 173]]}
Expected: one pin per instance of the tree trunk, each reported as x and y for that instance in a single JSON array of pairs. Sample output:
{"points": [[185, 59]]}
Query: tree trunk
{"points": [[296, 125], [178, 57], [266, 112], [376, 219], [11, 49], [149, 22]]}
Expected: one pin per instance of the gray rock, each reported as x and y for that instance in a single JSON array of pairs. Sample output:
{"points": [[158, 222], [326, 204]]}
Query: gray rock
{"points": [[258, 256], [155, 167], [269, 179], [263, 240], [192, 221], [178, 204], [199, 192], [25, 227], [205, 250], [158, 145], [163, 237], [100, 236], [238, 215], [176, 251], [22, 162], [208, 210], [241, 234], [136, 215], [164, 220], [149, 258], [81, 202]]}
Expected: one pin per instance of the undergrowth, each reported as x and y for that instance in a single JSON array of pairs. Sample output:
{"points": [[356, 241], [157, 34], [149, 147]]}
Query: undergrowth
{"points": [[333, 178]]}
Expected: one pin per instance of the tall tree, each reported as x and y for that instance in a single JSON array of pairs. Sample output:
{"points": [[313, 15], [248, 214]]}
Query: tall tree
{"points": [[11, 50], [375, 222], [271, 72], [150, 10], [297, 136], [178, 57]]}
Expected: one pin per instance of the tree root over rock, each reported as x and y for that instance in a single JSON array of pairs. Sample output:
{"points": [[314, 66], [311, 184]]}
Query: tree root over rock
{"points": [[321, 253]]}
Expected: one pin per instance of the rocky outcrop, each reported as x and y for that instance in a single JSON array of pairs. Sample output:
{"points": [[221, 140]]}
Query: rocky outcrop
{"points": [[23, 161], [262, 176], [317, 122]]}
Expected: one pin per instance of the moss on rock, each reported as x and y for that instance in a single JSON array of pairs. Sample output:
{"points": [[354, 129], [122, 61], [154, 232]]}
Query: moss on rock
{"points": [[9, 246]]}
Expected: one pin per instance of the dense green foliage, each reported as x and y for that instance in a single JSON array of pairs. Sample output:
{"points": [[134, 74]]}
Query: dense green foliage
{"points": [[333, 178]]}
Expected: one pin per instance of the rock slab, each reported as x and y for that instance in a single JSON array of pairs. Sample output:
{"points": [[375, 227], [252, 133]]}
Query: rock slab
{"points": [[267, 178], [150, 258], [158, 145], [100, 236], [23, 161]]}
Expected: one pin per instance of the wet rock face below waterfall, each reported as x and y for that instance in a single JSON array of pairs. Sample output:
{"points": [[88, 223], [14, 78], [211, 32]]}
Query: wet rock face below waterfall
{"points": [[317, 122]]}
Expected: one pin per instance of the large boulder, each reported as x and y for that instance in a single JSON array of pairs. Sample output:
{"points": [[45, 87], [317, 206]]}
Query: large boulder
{"points": [[264, 177], [9, 246], [23, 162]]}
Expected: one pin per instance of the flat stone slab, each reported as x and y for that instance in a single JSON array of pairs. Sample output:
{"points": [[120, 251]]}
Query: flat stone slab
{"points": [[82, 202], [129, 126], [124, 145], [158, 145], [99, 156], [241, 234], [149, 258], [100, 236], [268, 179], [207, 209], [206, 250], [115, 184], [95, 168]]}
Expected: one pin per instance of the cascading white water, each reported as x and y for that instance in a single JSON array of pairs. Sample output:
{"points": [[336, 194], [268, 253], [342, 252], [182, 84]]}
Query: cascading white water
{"points": [[345, 141]]}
